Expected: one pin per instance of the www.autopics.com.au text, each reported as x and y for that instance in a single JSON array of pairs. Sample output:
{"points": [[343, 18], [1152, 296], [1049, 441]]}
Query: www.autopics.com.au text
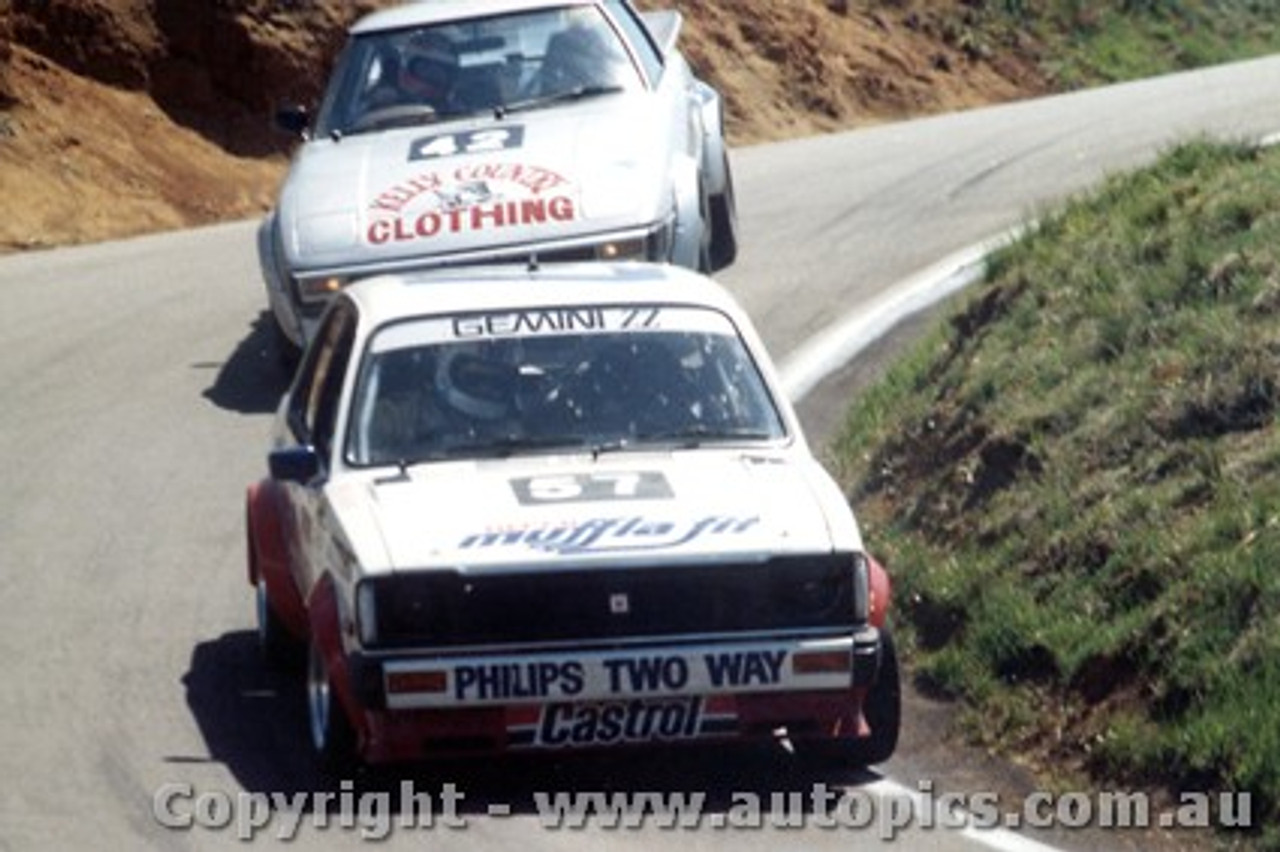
{"points": [[374, 815]]}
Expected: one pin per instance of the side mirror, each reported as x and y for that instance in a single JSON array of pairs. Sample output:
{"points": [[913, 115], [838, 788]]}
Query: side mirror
{"points": [[294, 464], [293, 118]]}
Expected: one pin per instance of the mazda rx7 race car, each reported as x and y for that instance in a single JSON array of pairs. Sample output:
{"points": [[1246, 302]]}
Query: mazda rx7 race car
{"points": [[560, 507], [460, 131]]}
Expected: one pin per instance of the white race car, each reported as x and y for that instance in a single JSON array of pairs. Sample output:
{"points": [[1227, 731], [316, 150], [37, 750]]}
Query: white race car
{"points": [[560, 507], [460, 131]]}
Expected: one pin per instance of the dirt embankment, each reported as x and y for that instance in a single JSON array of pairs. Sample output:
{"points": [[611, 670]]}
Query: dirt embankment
{"points": [[119, 117]]}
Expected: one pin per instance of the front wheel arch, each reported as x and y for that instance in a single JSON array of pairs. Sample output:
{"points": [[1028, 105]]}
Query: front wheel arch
{"points": [[689, 199], [723, 221], [333, 738], [267, 558], [882, 707], [882, 711], [336, 722]]}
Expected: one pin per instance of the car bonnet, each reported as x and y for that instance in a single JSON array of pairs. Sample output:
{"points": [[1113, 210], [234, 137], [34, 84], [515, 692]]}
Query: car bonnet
{"points": [[541, 175], [526, 513]]}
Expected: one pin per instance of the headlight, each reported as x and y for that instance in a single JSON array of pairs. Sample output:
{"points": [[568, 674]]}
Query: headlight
{"points": [[320, 289], [654, 245], [861, 589], [636, 248], [367, 613]]}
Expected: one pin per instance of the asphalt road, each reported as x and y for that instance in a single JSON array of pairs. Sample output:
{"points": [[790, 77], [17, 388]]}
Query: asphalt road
{"points": [[136, 386]]}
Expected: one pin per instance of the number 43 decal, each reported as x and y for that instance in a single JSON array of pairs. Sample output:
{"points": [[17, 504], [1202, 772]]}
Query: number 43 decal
{"points": [[591, 487], [467, 142]]}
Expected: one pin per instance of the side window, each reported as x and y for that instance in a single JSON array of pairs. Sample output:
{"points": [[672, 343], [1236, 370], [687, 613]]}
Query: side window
{"points": [[638, 37], [313, 411], [335, 110], [300, 392], [330, 393]]}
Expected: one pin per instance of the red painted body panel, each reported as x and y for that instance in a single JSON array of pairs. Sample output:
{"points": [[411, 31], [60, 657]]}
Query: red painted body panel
{"points": [[881, 592], [415, 735], [269, 556], [326, 626]]}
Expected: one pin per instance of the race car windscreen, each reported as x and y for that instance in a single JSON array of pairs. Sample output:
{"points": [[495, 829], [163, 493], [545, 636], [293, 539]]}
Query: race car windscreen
{"points": [[598, 378], [524, 60]]}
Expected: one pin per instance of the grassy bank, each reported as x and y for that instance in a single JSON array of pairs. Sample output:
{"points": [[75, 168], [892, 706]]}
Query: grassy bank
{"points": [[1076, 484], [1083, 43]]}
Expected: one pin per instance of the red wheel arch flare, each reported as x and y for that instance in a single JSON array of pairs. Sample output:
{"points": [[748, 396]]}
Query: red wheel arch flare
{"points": [[326, 625], [881, 592], [268, 556]]}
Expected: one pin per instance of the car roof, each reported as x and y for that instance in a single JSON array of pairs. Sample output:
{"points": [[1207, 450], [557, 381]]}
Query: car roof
{"points": [[417, 12], [513, 287]]}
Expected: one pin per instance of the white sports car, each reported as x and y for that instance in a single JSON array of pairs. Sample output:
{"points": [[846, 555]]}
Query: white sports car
{"points": [[460, 131], [554, 508]]}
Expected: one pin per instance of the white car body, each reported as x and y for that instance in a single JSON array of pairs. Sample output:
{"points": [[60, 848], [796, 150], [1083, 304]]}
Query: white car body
{"points": [[631, 164], [548, 572]]}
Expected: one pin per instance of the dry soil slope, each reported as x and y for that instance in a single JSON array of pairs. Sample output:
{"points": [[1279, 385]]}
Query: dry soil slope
{"points": [[119, 117]]}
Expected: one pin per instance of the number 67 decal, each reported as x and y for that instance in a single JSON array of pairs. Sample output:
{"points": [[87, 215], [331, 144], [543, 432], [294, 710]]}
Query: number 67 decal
{"points": [[592, 487], [467, 142]]}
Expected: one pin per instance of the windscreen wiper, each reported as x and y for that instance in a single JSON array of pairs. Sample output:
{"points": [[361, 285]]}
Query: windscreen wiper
{"points": [[577, 93], [698, 434], [513, 445]]}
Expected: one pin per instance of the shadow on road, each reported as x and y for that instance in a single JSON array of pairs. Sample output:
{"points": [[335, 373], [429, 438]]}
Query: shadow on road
{"points": [[254, 721], [253, 378]]}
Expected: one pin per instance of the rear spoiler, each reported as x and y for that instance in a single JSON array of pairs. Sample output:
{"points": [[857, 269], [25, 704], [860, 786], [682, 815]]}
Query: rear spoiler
{"points": [[664, 25]]}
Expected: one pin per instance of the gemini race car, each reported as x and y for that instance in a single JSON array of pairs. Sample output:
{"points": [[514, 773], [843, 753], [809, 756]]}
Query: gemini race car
{"points": [[560, 507], [461, 131]]}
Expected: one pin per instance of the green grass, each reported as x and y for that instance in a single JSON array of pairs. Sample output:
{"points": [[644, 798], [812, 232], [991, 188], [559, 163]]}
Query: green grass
{"points": [[1085, 43], [1075, 482]]}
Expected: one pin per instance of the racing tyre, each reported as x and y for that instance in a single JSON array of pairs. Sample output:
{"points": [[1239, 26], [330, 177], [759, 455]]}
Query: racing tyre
{"points": [[706, 258], [883, 711], [333, 740], [884, 705], [724, 224], [288, 353], [281, 651]]}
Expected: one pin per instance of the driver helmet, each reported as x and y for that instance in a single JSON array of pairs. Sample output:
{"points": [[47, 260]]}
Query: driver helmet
{"points": [[580, 55], [480, 388], [429, 67]]}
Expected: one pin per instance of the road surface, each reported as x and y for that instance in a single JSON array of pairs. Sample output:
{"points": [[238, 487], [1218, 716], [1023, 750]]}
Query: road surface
{"points": [[137, 383]]}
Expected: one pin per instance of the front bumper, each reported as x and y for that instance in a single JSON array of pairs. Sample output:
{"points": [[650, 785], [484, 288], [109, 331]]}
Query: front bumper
{"points": [[394, 737], [299, 298], [418, 707]]}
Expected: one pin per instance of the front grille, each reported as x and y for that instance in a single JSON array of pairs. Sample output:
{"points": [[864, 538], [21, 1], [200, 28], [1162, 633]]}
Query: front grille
{"points": [[449, 609], [581, 249], [567, 255]]}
